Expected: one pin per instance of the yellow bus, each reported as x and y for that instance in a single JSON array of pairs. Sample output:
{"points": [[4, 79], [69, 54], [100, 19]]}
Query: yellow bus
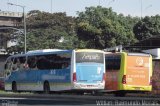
{"points": [[128, 72]]}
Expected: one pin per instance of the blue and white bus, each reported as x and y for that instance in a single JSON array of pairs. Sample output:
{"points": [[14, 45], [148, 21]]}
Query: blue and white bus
{"points": [[56, 70]]}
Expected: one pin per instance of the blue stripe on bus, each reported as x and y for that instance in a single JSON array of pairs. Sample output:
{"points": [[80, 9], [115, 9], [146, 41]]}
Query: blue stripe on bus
{"points": [[33, 76]]}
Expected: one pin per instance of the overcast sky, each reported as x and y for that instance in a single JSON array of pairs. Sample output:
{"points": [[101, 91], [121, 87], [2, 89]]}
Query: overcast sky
{"points": [[132, 7]]}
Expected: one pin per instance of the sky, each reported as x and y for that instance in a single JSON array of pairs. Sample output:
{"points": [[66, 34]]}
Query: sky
{"points": [[126, 7]]}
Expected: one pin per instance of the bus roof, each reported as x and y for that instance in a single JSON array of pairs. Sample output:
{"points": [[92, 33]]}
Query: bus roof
{"points": [[52, 51], [129, 53], [138, 54], [44, 51], [88, 50], [40, 52]]}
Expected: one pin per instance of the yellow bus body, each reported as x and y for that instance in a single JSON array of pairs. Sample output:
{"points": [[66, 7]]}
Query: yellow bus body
{"points": [[135, 70], [142, 83]]}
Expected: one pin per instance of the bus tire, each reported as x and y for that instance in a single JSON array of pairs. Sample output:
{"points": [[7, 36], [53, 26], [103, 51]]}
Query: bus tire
{"points": [[46, 87], [14, 86]]}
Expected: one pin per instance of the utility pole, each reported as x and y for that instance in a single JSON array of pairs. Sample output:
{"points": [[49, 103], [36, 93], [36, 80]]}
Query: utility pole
{"points": [[24, 24], [141, 9], [51, 6]]}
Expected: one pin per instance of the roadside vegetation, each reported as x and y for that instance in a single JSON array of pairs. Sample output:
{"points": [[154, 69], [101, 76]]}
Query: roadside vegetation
{"points": [[96, 27]]}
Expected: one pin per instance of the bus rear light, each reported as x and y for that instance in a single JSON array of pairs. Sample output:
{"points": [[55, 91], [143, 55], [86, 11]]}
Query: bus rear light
{"points": [[74, 77], [124, 79]]}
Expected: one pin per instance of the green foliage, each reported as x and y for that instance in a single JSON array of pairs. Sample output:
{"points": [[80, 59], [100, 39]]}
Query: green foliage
{"points": [[49, 31], [96, 27], [101, 27], [147, 27]]}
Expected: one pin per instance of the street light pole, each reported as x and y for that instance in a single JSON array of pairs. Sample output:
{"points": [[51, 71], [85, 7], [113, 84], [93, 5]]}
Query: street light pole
{"points": [[24, 24], [24, 19], [51, 6], [141, 9]]}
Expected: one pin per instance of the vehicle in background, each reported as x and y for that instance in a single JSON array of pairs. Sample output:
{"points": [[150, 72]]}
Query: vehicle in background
{"points": [[56, 70], [128, 72]]}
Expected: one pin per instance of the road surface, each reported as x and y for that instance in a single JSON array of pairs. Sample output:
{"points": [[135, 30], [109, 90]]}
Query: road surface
{"points": [[78, 100]]}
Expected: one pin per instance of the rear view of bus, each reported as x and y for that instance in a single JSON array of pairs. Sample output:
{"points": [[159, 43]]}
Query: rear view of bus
{"points": [[88, 69], [137, 72]]}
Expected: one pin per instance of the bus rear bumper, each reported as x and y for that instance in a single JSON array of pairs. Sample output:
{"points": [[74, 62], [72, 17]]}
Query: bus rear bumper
{"points": [[136, 88], [88, 86]]}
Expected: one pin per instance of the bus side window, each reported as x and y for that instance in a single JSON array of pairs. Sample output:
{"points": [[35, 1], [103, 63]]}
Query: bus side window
{"points": [[32, 62], [16, 64], [113, 62], [117, 62], [43, 63], [64, 61], [8, 64], [59, 61], [22, 61], [65, 65], [109, 63], [53, 61]]}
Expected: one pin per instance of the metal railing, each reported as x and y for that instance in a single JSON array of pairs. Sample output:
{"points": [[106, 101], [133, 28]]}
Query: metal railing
{"points": [[10, 14]]}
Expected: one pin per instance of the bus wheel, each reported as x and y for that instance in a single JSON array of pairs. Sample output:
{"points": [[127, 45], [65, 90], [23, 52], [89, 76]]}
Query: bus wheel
{"points": [[46, 88], [14, 86]]}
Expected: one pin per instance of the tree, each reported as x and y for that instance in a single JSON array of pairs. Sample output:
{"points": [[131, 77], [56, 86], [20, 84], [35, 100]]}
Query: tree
{"points": [[49, 31], [147, 27], [101, 27]]}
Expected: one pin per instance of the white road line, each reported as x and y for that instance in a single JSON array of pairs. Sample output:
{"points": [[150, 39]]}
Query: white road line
{"points": [[2, 98]]}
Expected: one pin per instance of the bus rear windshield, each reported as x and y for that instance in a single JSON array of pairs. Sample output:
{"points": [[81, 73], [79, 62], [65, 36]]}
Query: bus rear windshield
{"points": [[89, 57]]}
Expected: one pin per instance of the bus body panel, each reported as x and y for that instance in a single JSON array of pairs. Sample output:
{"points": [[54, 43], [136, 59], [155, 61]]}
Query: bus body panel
{"points": [[136, 68], [92, 73], [89, 72], [122, 70], [112, 80], [33, 80], [138, 72]]}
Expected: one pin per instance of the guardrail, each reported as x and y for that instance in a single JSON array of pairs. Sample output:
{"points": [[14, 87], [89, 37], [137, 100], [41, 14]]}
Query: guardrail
{"points": [[10, 14]]}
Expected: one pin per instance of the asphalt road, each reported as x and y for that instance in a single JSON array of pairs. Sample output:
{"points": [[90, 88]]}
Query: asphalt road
{"points": [[78, 100]]}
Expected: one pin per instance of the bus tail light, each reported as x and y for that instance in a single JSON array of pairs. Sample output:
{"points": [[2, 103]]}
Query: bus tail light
{"points": [[124, 79], [74, 77]]}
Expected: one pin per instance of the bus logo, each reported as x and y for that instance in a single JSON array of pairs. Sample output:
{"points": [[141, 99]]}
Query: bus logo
{"points": [[139, 61]]}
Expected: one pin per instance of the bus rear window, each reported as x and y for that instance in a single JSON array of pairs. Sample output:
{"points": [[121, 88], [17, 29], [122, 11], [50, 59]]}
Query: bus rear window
{"points": [[89, 57], [113, 62], [49, 61]]}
